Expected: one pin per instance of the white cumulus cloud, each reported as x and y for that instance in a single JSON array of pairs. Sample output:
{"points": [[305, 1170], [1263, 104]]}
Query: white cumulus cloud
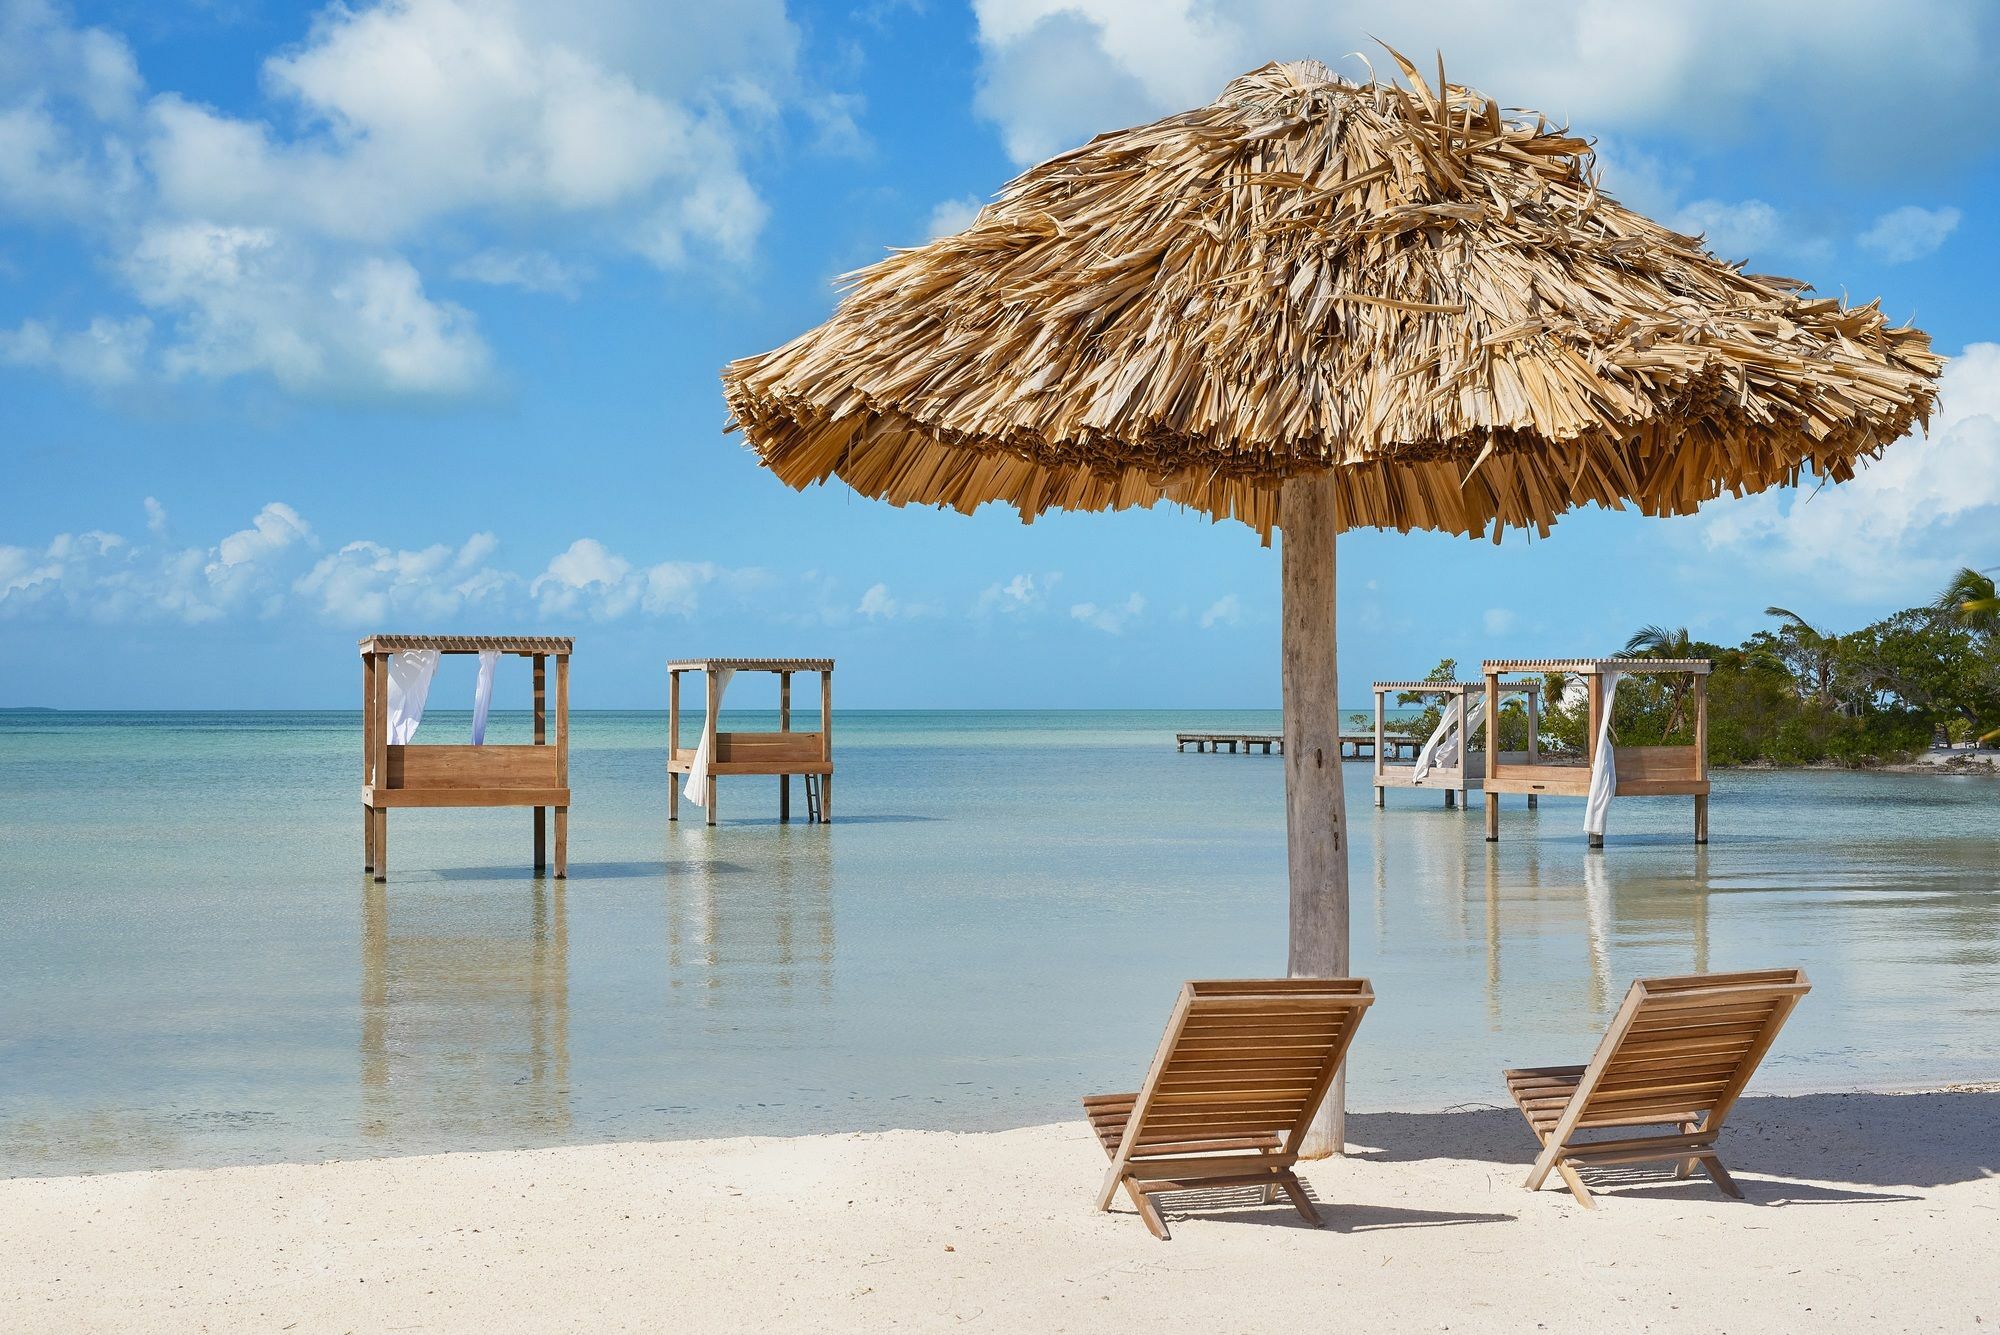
{"points": [[1929, 505], [1055, 72], [367, 583], [275, 564], [280, 238]]}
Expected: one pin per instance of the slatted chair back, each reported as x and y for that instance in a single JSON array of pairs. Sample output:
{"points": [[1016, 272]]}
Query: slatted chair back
{"points": [[1246, 1059], [1683, 1048]]}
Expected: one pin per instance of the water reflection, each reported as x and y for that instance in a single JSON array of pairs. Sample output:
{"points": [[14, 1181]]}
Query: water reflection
{"points": [[1628, 922], [464, 1012], [770, 933]]}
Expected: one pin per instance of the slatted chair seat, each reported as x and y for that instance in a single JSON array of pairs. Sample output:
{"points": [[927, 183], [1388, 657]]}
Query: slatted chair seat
{"points": [[1242, 1068], [1678, 1053]]}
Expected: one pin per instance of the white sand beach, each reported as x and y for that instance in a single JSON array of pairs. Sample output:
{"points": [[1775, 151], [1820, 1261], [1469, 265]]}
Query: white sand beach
{"points": [[1872, 1210]]}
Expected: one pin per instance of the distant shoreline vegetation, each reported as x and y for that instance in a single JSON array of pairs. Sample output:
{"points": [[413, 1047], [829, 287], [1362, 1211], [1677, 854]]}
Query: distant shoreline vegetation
{"points": [[1797, 695]]}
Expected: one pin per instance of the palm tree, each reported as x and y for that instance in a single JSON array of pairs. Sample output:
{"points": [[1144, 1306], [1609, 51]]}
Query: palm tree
{"points": [[1818, 653], [1972, 598], [1660, 642]]}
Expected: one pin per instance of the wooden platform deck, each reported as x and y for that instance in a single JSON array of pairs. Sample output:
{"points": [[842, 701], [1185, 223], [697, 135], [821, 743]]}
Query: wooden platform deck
{"points": [[1353, 745]]}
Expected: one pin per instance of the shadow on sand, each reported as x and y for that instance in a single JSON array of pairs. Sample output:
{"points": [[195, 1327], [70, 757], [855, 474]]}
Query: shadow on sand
{"points": [[1246, 1205], [1863, 1140]]}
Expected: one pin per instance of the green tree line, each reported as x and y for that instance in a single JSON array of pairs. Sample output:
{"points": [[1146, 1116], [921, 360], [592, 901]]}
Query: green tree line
{"points": [[1794, 693]]}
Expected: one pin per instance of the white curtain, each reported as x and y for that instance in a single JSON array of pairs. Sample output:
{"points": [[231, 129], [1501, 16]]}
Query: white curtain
{"points": [[696, 789], [1604, 766], [410, 673], [482, 694], [1447, 741]]}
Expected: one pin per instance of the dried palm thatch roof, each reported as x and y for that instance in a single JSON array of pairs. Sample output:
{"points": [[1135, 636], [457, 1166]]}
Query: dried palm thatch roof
{"points": [[1402, 284]]}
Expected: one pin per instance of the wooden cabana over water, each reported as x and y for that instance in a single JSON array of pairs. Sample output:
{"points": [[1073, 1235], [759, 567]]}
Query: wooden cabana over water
{"points": [[783, 753], [397, 774], [1467, 767], [1636, 771]]}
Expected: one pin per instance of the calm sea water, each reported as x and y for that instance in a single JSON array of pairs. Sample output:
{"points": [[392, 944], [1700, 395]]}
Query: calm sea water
{"points": [[195, 971]]}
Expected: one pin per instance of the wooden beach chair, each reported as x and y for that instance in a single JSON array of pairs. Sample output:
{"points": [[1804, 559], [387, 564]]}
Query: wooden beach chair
{"points": [[1234, 1084], [1678, 1053]]}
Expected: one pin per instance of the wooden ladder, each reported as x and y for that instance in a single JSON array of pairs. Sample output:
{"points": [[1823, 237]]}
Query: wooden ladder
{"points": [[812, 798]]}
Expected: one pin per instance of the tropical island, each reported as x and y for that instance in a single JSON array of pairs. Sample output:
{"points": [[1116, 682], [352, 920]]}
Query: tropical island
{"points": [[1920, 683]]}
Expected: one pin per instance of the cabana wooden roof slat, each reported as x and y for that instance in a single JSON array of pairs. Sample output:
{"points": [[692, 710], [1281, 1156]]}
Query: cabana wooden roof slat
{"points": [[751, 664], [1595, 665], [469, 644]]}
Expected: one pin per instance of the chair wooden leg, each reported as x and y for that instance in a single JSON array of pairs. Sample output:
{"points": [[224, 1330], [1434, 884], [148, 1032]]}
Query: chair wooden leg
{"points": [[1156, 1224], [1545, 1163], [1297, 1191], [1113, 1176], [1685, 1168], [1271, 1192], [1576, 1187], [1724, 1183]]}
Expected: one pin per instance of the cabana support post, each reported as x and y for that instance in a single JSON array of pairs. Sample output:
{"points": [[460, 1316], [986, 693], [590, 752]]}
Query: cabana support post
{"points": [[783, 753], [442, 775]]}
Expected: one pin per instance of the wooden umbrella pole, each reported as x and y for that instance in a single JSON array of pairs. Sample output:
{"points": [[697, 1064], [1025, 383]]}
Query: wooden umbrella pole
{"points": [[1315, 803]]}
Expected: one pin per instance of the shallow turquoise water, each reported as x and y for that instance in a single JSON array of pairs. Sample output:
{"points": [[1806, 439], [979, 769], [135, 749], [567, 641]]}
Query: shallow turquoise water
{"points": [[194, 970]]}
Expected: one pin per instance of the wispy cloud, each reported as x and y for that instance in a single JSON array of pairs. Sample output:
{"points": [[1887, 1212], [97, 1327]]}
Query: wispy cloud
{"points": [[953, 215], [106, 352], [879, 604], [1019, 595], [1112, 620], [1224, 611], [529, 270], [1909, 233]]}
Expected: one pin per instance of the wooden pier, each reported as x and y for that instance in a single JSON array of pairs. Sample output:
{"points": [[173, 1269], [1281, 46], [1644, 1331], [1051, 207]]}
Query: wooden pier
{"points": [[1353, 745]]}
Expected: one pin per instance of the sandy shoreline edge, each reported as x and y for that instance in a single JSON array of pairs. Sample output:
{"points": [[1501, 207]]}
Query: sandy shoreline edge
{"points": [[1427, 1228]]}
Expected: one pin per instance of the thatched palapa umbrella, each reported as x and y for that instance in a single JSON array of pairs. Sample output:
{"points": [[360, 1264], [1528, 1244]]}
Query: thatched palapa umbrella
{"points": [[1312, 305]]}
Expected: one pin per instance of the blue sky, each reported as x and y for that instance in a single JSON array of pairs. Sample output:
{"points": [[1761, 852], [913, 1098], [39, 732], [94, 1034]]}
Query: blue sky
{"points": [[316, 321]]}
